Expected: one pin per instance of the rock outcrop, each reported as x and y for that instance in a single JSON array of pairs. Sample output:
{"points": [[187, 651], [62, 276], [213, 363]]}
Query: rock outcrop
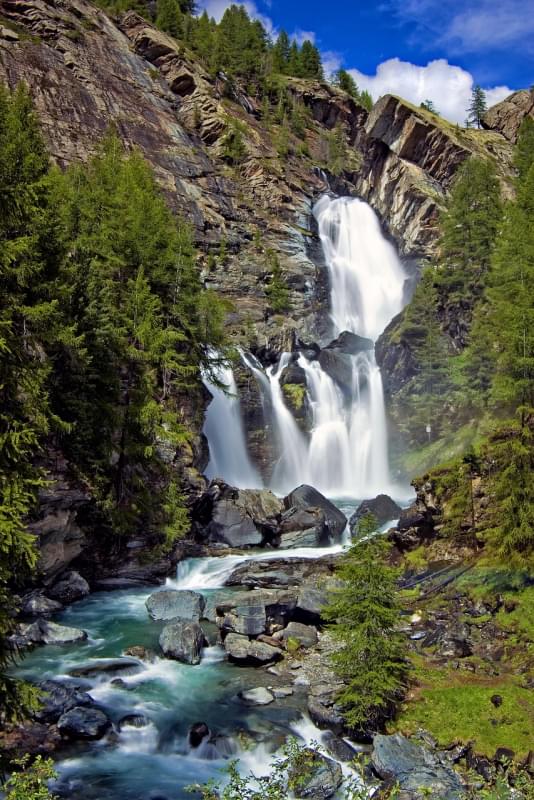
{"points": [[506, 117]]}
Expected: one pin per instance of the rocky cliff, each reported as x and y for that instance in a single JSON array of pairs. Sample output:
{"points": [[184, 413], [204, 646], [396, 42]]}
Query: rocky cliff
{"points": [[87, 71], [506, 117]]}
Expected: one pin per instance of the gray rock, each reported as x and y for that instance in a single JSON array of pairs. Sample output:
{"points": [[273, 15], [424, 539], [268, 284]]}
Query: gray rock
{"points": [[250, 612], [236, 517], [69, 588], [319, 779], [306, 497], [243, 651], [282, 691], [305, 634], [106, 666], [416, 768], [311, 600], [350, 344], [280, 573], [171, 604], [382, 507], [57, 698], [325, 716], [83, 723], [38, 605], [182, 640], [43, 631], [133, 721], [257, 697], [338, 747], [303, 528]]}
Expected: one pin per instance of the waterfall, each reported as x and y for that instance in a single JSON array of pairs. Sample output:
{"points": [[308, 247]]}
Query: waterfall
{"points": [[345, 453], [223, 427]]}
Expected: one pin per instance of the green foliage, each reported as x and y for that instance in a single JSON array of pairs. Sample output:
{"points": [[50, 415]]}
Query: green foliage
{"points": [[366, 100], [477, 106], [428, 105], [346, 82], [276, 290], [169, 17], [30, 781], [295, 393], [524, 152], [336, 155], [364, 614], [233, 144]]}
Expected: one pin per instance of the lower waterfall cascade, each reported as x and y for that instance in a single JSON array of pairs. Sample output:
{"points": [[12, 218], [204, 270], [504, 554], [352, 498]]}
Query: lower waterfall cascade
{"points": [[345, 452]]}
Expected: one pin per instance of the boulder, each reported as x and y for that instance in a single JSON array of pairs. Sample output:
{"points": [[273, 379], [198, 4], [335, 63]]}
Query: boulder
{"points": [[325, 716], [83, 723], [106, 666], [319, 777], [506, 117], [133, 721], [416, 769], [197, 733], [280, 572], [351, 344], [242, 650], [306, 635], [251, 613], [69, 588], [182, 640], [57, 698], [140, 652], [306, 498], [339, 367], [37, 604], [236, 517], [43, 631], [311, 599], [257, 697], [303, 528], [171, 604], [338, 747], [382, 507]]}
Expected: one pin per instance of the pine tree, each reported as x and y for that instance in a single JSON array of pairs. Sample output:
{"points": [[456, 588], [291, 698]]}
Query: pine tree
{"points": [[310, 61], [478, 106], [281, 53], [336, 156], [366, 100], [346, 82], [428, 105], [169, 17], [524, 151], [365, 615], [294, 67]]}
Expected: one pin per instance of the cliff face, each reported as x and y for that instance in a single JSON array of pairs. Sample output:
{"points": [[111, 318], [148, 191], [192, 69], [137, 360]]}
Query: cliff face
{"points": [[506, 117], [87, 71]]}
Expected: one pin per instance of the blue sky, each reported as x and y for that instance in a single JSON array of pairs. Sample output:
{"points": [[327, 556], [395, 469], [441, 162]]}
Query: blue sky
{"points": [[420, 49]]}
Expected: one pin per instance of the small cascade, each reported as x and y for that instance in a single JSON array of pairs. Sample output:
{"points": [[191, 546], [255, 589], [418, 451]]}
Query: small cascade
{"points": [[223, 427]]}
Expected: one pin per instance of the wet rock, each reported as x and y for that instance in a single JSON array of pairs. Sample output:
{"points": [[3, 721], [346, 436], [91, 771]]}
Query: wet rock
{"points": [[310, 602], [279, 573], [106, 666], [325, 716], [382, 507], [140, 652], [244, 651], [43, 631], [338, 747], [282, 691], [306, 498], [37, 604], [306, 635], [171, 604], [133, 721], [69, 588], [58, 698], [197, 733], [83, 723], [303, 528], [251, 613], [351, 344], [182, 640], [236, 517], [257, 697], [416, 768], [319, 778]]}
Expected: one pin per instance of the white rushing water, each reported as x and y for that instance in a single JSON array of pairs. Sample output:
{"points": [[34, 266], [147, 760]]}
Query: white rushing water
{"points": [[345, 453]]}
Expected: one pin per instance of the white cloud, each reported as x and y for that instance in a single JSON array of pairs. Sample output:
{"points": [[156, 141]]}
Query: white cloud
{"points": [[216, 9], [332, 61], [300, 36], [449, 87]]}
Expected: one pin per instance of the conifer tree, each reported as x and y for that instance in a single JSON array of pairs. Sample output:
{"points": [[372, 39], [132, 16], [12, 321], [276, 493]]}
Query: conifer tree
{"points": [[169, 17], [310, 65], [281, 53], [478, 106], [346, 82], [366, 100], [524, 151], [293, 64], [365, 614]]}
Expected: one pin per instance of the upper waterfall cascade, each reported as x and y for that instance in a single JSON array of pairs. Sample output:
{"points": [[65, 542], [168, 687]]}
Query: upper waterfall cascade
{"points": [[345, 452]]}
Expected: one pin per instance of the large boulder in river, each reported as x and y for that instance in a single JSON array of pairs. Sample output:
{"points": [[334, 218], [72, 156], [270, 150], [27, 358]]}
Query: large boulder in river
{"points": [[69, 588], [43, 631], [281, 572], [417, 770], [236, 517], [83, 723], [248, 652], [36, 604], [318, 778], [337, 360], [252, 613], [382, 507], [170, 604], [182, 640], [57, 698], [306, 498]]}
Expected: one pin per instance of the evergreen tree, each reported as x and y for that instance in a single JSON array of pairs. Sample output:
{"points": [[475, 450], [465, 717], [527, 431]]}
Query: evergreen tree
{"points": [[366, 100], [281, 53], [27, 257], [428, 105], [365, 616], [293, 63], [310, 65], [203, 37], [277, 291], [346, 82], [524, 151], [169, 17], [336, 156], [478, 106]]}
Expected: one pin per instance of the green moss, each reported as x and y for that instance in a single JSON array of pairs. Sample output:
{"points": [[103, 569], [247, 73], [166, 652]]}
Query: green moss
{"points": [[295, 393], [464, 712], [416, 558]]}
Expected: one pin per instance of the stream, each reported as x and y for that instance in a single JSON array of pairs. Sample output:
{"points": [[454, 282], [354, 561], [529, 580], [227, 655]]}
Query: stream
{"points": [[344, 455]]}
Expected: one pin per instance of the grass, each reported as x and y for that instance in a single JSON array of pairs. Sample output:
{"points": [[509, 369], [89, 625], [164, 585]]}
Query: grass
{"points": [[417, 461], [454, 707], [295, 393]]}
